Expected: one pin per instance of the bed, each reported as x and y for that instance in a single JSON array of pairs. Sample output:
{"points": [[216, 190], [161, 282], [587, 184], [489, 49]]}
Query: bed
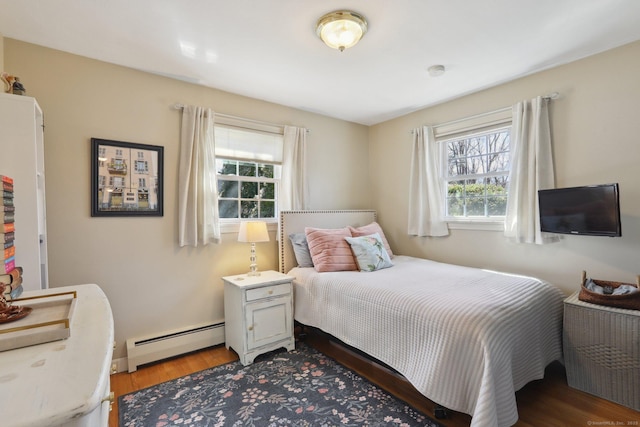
{"points": [[464, 338]]}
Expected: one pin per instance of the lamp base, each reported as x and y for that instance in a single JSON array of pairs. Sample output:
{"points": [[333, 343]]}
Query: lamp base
{"points": [[253, 270], [253, 267]]}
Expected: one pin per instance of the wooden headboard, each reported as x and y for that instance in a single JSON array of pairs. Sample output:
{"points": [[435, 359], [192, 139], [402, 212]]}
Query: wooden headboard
{"points": [[296, 221]]}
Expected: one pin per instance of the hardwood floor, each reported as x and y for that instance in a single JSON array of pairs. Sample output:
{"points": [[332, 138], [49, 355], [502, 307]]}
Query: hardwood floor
{"points": [[547, 402]]}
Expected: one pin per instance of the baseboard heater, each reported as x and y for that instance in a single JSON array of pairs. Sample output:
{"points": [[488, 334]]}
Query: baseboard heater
{"points": [[152, 348]]}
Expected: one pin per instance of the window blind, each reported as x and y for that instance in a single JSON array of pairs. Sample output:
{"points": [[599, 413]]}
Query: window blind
{"points": [[473, 125], [248, 144]]}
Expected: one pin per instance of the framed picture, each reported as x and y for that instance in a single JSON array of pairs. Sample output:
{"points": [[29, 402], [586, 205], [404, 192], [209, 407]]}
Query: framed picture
{"points": [[126, 178]]}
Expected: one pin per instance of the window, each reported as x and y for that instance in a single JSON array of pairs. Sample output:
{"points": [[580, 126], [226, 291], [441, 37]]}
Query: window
{"points": [[477, 173], [116, 181], [246, 189], [476, 155], [248, 168], [141, 166]]}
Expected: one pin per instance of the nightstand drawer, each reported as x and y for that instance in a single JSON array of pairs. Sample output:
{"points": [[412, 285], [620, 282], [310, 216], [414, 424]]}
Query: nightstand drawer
{"points": [[268, 291]]}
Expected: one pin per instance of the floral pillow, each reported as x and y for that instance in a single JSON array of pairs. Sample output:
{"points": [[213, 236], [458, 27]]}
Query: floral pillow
{"points": [[369, 252]]}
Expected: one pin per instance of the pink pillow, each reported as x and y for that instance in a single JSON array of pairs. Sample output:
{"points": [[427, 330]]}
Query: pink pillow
{"points": [[368, 229], [329, 250]]}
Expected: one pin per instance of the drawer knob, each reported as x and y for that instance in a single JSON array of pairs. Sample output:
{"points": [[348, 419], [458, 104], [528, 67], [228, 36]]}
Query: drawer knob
{"points": [[250, 328], [270, 291], [111, 398]]}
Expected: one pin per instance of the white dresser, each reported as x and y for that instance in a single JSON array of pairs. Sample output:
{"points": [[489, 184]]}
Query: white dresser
{"points": [[258, 313], [65, 382]]}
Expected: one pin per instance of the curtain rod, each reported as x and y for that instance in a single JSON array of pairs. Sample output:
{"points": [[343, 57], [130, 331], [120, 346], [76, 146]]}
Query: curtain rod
{"points": [[549, 97], [178, 106]]}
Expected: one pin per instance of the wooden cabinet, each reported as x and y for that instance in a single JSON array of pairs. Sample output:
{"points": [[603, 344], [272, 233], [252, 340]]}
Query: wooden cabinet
{"points": [[65, 382], [258, 314], [22, 158]]}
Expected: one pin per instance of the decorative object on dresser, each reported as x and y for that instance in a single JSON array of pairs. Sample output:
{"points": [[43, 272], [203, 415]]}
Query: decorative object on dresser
{"points": [[8, 311], [126, 179], [253, 232], [602, 350], [51, 320], [12, 283], [258, 314]]}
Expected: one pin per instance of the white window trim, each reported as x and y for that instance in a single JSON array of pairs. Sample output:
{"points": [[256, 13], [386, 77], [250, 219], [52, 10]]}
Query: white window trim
{"points": [[472, 224], [229, 227]]}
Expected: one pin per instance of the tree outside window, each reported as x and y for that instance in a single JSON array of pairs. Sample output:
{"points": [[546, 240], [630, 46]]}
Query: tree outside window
{"points": [[246, 189], [477, 174]]}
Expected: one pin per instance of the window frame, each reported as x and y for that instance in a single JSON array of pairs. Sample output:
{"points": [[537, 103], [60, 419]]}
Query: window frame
{"points": [[232, 225], [277, 172], [481, 124]]}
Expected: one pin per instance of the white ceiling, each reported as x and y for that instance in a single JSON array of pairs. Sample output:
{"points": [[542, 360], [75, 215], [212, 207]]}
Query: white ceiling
{"points": [[269, 50]]}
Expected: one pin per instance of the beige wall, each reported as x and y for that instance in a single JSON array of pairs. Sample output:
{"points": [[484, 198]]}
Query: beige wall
{"points": [[154, 285], [595, 130]]}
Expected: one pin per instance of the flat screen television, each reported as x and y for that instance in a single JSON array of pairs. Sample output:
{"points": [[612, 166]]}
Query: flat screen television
{"points": [[592, 210]]}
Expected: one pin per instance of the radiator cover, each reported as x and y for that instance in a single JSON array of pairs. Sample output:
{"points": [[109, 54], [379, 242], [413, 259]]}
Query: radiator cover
{"points": [[152, 348]]}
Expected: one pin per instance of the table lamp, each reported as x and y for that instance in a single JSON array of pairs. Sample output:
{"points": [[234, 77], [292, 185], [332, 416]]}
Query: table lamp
{"points": [[253, 232]]}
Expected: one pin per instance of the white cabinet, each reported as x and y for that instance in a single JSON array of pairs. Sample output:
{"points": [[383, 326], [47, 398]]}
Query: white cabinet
{"points": [[62, 383], [258, 314], [22, 158]]}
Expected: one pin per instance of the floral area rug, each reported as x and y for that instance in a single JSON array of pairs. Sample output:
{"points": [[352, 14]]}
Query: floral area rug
{"points": [[297, 388]]}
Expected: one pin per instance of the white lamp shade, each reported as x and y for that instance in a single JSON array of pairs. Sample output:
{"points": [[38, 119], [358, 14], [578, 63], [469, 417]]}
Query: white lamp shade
{"points": [[253, 232]]}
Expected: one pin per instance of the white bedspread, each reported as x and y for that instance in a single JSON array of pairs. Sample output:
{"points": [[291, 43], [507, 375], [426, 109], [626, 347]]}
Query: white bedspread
{"points": [[466, 338]]}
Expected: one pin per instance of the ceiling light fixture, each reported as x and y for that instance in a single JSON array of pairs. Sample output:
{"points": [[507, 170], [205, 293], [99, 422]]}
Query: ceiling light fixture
{"points": [[341, 29]]}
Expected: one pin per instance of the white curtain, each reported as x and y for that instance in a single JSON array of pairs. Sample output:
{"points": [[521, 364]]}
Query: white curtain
{"points": [[293, 183], [531, 170], [426, 188], [198, 219]]}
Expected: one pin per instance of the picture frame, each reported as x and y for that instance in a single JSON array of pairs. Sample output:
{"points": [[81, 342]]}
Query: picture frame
{"points": [[127, 179]]}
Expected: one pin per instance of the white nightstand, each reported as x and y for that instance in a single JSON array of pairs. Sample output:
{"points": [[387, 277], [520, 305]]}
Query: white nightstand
{"points": [[258, 313]]}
